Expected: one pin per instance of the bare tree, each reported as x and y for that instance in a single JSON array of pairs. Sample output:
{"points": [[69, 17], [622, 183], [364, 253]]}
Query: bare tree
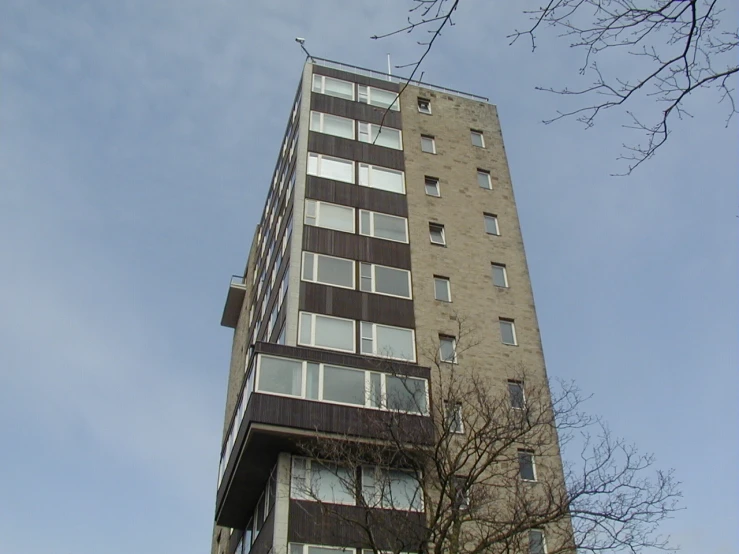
{"points": [[485, 475], [680, 48]]}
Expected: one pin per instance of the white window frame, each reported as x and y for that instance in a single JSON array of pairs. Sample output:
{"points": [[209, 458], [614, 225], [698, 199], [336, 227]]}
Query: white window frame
{"points": [[373, 280], [322, 86], [435, 183], [319, 162], [303, 495], [366, 177], [519, 384], [486, 174], [437, 226], [370, 403], [314, 276], [494, 218], [368, 130], [447, 338], [475, 132], [533, 464], [306, 548], [367, 92], [321, 126], [448, 283], [377, 500], [543, 539], [318, 204], [454, 417], [314, 317], [372, 225], [493, 267], [373, 327], [512, 323], [433, 144], [421, 109]]}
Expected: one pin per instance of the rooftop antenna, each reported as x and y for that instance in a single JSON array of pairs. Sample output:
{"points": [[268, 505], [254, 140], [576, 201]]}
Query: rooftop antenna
{"points": [[301, 42]]}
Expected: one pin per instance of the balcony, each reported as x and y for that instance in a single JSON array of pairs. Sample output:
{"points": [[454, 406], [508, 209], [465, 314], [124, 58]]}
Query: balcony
{"points": [[234, 302], [268, 422]]}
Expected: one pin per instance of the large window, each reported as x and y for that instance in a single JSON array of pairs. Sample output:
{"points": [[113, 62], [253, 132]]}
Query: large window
{"points": [[332, 125], [342, 385], [384, 280], [381, 178], [381, 136], [383, 226], [378, 97], [333, 87], [391, 488], [330, 216], [327, 270], [388, 342], [321, 482], [324, 331], [337, 169]]}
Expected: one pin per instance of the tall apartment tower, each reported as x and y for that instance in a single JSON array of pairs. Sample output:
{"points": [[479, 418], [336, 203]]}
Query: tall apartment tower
{"points": [[389, 219]]}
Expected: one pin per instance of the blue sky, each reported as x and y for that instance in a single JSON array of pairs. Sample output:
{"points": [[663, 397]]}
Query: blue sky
{"points": [[137, 141]]}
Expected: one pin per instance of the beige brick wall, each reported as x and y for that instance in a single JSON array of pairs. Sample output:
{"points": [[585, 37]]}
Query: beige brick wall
{"points": [[466, 259]]}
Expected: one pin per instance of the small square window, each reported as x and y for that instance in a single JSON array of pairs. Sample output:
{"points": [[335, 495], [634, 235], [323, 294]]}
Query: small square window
{"points": [[500, 277], [483, 179], [526, 466], [436, 233], [424, 106], [515, 393], [491, 224], [448, 349], [428, 144], [453, 416], [442, 289], [432, 186], [477, 138], [460, 492], [508, 331], [537, 542]]}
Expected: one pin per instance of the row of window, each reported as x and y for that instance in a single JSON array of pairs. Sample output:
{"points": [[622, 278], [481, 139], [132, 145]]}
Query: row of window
{"points": [[443, 285], [356, 130], [377, 487], [337, 333], [433, 188], [342, 218], [341, 169], [536, 545], [341, 385], [437, 231], [453, 416], [353, 91], [340, 272], [428, 142]]}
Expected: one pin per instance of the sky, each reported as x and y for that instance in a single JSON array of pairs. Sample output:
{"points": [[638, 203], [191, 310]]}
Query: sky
{"points": [[137, 141]]}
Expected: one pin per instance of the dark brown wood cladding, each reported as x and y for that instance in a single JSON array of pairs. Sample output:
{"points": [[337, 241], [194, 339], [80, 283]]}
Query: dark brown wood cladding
{"points": [[255, 453], [355, 110], [348, 360], [361, 79], [356, 196], [332, 526], [357, 305], [363, 152], [350, 421], [356, 247]]}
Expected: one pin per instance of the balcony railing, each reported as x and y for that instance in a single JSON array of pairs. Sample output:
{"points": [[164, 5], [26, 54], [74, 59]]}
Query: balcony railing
{"points": [[234, 301], [394, 78]]}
